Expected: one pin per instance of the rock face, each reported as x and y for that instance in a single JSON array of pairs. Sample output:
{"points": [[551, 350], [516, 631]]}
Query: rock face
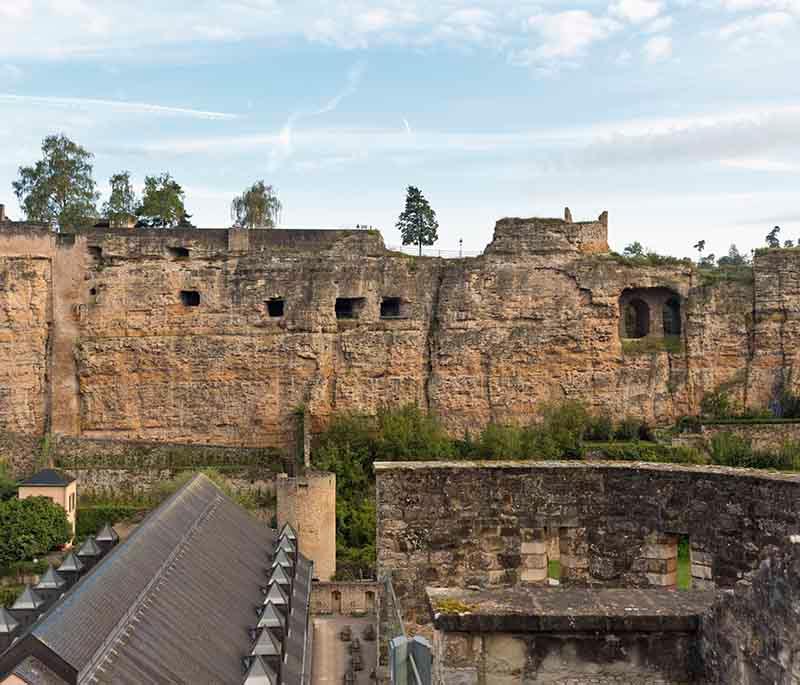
{"points": [[216, 336]]}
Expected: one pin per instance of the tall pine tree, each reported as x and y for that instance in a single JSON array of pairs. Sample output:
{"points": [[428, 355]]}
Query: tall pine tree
{"points": [[417, 224]]}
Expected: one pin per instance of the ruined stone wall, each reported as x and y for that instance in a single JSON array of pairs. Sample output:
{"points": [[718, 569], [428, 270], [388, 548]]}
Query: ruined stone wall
{"points": [[352, 598], [95, 340], [484, 523], [753, 635], [764, 437], [656, 658]]}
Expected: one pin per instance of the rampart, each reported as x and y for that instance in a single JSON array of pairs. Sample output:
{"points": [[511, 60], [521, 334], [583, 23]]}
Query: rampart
{"points": [[486, 524], [216, 337]]}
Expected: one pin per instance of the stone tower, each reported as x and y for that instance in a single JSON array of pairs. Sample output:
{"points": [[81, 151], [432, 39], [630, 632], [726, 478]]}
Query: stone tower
{"points": [[308, 504]]}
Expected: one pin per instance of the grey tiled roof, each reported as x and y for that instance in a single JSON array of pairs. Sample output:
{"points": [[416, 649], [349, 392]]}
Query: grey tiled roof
{"points": [[7, 622], [28, 600], [50, 580], [175, 602], [48, 478]]}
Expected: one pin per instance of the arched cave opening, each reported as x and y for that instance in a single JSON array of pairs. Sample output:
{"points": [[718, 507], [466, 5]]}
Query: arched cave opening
{"points": [[636, 319], [672, 316]]}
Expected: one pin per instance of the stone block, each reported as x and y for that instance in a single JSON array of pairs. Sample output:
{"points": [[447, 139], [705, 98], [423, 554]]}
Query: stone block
{"points": [[530, 561], [702, 571], [704, 558], [572, 561], [534, 575], [660, 551], [662, 579], [534, 548]]}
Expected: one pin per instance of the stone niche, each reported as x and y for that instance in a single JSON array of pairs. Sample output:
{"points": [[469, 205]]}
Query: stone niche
{"points": [[650, 312]]}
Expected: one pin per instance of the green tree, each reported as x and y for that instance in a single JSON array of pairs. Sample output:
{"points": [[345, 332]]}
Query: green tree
{"points": [[121, 204], [733, 258], [700, 246], [417, 223], [257, 207], [162, 203], [772, 237], [59, 189], [30, 527], [635, 249]]}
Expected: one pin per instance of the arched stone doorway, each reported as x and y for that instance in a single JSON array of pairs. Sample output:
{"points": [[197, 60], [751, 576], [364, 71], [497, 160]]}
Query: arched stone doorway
{"points": [[636, 319]]}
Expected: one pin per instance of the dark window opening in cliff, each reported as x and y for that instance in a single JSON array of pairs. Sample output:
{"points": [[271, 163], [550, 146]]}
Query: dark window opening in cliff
{"points": [[65, 239], [349, 307], [93, 292], [672, 316], [95, 252], [190, 298], [636, 322], [275, 307], [391, 308], [178, 252]]}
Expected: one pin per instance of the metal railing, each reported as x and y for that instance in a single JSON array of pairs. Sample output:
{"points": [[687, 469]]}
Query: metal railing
{"points": [[409, 660], [413, 250]]}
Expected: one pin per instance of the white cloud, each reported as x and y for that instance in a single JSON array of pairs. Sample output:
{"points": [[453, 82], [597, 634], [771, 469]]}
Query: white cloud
{"points": [[659, 25], [755, 29], [10, 73], [762, 5], [565, 35], [636, 11], [658, 49], [89, 104], [623, 58], [756, 164]]}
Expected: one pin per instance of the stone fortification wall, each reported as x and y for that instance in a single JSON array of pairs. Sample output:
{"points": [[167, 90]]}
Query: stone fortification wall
{"points": [[764, 437], [354, 598], [308, 504], [175, 335], [486, 523], [753, 635]]}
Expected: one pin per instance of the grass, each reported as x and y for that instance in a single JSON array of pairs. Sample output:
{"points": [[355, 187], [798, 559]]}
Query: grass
{"points": [[684, 581], [554, 569], [669, 343], [453, 606]]}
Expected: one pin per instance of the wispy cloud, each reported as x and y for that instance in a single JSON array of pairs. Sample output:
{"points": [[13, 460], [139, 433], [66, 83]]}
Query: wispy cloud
{"points": [[283, 149], [658, 48], [89, 104]]}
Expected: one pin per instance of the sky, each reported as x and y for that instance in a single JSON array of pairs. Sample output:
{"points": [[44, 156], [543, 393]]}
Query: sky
{"points": [[679, 117]]}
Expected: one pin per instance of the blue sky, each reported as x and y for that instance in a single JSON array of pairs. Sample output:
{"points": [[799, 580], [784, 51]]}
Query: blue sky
{"points": [[679, 117]]}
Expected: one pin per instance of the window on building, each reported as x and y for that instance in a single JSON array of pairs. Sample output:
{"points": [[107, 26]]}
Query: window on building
{"points": [[178, 252], [349, 307], [190, 298], [391, 308], [275, 307]]}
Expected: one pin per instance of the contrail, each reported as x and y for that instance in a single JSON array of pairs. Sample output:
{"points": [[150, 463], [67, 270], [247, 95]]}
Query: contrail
{"points": [[116, 105], [283, 149]]}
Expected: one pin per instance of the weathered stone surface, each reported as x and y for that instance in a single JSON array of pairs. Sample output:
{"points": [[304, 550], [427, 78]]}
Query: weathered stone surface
{"points": [[95, 341], [753, 635], [627, 515]]}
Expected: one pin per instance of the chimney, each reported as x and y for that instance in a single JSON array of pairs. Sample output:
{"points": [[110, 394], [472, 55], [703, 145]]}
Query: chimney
{"points": [[567, 215], [2, 213]]}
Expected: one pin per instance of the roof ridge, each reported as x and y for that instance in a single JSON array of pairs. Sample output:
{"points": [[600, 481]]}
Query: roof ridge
{"points": [[102, 653]]}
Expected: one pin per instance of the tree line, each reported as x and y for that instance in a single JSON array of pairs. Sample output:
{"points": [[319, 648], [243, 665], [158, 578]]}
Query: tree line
{"points": [[59, 190]]}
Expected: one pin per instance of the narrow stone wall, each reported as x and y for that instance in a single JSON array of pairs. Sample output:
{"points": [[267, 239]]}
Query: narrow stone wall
{"points": [[308, 504], [349, 598], [764, 437], [753, 635], [483, 523]]}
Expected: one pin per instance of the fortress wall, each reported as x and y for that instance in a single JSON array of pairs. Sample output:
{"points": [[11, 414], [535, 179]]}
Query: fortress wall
{"points": [[308, 504], [484, 523], [753, 635], [100, 345]]}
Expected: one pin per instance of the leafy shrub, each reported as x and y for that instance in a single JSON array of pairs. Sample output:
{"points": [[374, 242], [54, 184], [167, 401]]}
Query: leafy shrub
{"points": [[92, 519], [563, 428], [8, 487], [728, 449], [689, 424], [30, 527], [409, 434], [24, 568], [628, 429], [790, 405], [717, 405], [642, 451], [599, 429], [9, 594]]}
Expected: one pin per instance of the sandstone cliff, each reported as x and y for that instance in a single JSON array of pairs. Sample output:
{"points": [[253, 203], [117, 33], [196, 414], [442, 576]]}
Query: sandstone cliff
{"points": [[100, 336]]}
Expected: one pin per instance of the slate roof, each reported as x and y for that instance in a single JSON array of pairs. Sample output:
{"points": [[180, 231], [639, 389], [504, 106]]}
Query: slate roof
{"points": [[50, 580], [174, 603], [8, 623], [48, 478]]}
